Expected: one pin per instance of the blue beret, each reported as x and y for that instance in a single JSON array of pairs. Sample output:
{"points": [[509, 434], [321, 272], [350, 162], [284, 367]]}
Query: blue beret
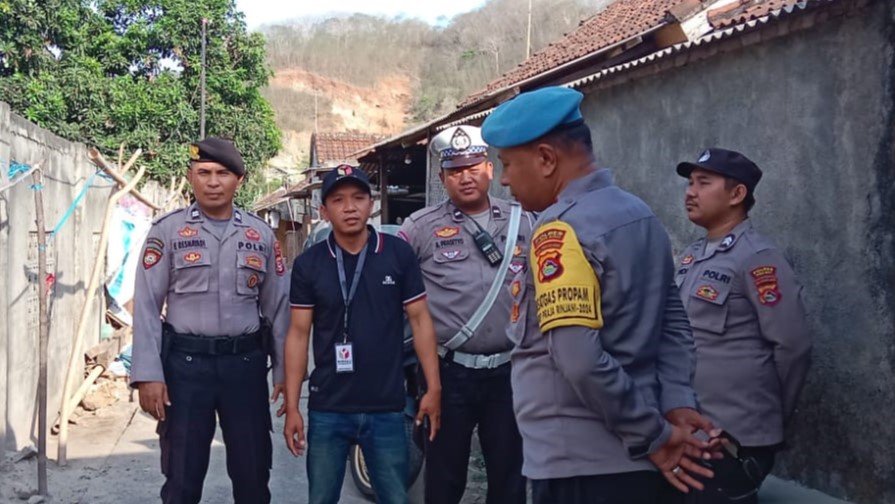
{"points": [[532, 115]]}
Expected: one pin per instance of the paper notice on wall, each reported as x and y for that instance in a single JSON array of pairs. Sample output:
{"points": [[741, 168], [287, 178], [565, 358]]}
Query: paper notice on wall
{"points": [[130, 224]]}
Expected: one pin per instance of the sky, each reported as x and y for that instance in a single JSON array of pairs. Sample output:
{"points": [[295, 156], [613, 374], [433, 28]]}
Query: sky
{"points": [[260, 12]]}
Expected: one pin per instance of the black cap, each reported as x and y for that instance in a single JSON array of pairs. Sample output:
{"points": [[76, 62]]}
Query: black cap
{"points": [[218, 150], [727, 163], [344, 174]]}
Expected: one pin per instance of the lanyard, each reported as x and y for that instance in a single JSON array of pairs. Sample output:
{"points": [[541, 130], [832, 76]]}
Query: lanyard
{"points": [[348, 293]]}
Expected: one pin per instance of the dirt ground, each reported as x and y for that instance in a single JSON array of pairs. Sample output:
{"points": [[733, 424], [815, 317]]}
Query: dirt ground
{"points": [[114, 459]]}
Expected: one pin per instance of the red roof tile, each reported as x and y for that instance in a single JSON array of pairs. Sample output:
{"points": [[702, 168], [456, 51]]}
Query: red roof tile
{"points": [[616, 23], [333, 148], [744, 10]]}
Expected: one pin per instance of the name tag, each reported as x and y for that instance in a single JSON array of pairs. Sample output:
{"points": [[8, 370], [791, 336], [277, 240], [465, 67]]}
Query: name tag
{"points": [[344, 358]]}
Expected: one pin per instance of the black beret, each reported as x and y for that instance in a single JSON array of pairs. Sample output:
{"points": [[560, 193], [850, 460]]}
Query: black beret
{"points": [[218, 150], [726, 163]]}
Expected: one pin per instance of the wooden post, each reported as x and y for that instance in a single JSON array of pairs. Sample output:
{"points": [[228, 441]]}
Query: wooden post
{"points": [[383, 191], [44, 335], [99, 261]]}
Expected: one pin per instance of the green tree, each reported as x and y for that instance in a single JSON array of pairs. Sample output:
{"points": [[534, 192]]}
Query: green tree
{"points": [[107, 72]]}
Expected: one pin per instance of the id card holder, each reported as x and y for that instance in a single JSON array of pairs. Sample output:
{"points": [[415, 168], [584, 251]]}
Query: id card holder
{"points": [[485, 243], [344, 358]]}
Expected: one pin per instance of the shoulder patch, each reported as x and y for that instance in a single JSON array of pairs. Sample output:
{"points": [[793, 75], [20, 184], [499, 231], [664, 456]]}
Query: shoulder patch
{"points": [[767, 285], [169, 214], [567, 291]]}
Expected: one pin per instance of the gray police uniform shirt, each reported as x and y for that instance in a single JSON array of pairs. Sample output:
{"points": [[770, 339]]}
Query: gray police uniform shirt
{"points": [[214, 282], [458, 276], [603, 348], [753, 344]]}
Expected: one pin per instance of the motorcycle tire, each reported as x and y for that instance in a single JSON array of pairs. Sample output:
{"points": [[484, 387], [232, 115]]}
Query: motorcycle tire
{"points": [[361, 476]]}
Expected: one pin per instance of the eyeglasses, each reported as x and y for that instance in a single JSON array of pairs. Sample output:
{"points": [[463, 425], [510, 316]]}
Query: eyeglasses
{"points": [[750, 467]]}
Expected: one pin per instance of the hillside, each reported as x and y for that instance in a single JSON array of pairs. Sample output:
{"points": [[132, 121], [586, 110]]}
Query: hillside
{"points": [[381, 108], [377, 75]]}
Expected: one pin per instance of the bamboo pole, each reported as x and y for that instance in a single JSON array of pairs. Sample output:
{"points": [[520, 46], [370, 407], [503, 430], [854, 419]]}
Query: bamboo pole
{"points": [[44, 335], [62, 455], [80, 393], [100, 161]]}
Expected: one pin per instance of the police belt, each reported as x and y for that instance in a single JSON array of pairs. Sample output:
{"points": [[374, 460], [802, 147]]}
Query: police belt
{"points": [[220, 345], [474, 361]]}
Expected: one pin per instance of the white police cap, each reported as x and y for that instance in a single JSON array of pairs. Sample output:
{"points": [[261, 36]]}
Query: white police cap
{"points": [[459, 146]]}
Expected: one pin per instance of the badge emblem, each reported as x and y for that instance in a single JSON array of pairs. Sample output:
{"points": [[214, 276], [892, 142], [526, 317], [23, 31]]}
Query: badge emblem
{"points": [[447, 232], [280, 261], [516, 267], [254, 261], [707, 292], [253, 281], [460, 141], [767, 284], [151, 257], [188, 232], [345, 352], [514, 314], [194, 151], [516, 288], [345, 170], [727, 241], [705, 157], [451, 254], [688, 259], [517, 251], [253, 234], [549, 266], [192, 257]]}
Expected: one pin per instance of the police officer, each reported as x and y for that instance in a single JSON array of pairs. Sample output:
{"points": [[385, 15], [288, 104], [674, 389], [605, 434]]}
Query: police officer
{"points": [[217, 268], [461, 245], [596, 320], [752, 340]]}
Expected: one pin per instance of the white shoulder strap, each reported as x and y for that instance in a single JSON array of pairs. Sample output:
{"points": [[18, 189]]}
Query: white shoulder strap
{"points": [[469, 328]]}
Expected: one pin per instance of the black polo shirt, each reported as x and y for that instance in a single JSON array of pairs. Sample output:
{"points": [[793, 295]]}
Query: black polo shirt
{"points": [[390, 279]]}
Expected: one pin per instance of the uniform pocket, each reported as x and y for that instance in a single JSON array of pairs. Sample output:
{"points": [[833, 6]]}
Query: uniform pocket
{"points": [[251, 268], [708, 306], [451, 254], [192, 269]]}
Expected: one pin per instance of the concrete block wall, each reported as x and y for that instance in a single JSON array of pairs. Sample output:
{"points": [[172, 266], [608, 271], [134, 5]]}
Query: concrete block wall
{"points": [[70, 256], [816, 111]]}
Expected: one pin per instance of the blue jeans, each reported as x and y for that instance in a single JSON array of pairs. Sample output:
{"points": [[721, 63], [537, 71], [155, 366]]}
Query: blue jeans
{"points": [[383, 440]]}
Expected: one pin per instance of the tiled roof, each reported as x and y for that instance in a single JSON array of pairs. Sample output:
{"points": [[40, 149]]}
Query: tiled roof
{"points": [[340, 147], [744, 10], [618, 22], [715, 37]]}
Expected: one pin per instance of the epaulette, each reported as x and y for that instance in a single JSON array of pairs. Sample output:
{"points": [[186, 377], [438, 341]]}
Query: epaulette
{"points": [[169, 214], [757, 241], [416, 216], [250, 214]]}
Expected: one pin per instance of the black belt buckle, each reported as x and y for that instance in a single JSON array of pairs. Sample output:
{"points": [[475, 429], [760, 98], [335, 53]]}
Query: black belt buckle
{"points": [[224, 346]]}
